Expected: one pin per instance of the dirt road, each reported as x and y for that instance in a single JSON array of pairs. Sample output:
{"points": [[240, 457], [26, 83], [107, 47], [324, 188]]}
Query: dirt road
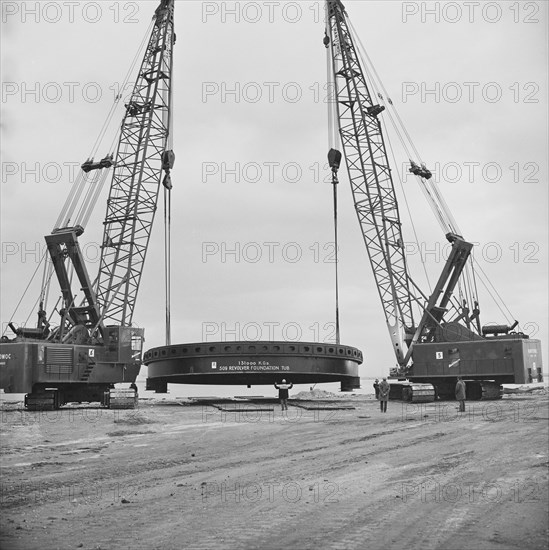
{"points": [[168, 476]]}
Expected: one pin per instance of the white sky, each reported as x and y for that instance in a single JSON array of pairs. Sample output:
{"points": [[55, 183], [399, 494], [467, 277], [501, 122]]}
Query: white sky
{"points": [[490, 49]]}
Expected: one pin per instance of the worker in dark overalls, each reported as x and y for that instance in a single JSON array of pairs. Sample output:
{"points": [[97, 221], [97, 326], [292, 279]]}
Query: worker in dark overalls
{"points": [[283, 390], [460, 393], [384, 389]]}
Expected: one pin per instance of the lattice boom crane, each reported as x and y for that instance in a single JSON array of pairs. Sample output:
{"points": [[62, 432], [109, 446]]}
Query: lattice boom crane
{"points": [[95, 345], [447, 341]]}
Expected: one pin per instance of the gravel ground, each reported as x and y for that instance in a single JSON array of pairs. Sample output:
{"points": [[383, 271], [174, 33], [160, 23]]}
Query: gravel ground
{"points": [[172, 476]]}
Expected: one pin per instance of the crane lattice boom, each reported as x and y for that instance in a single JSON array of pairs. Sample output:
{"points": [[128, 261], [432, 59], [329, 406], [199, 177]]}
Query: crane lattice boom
{"points": [[141, 157], [370, 178]]}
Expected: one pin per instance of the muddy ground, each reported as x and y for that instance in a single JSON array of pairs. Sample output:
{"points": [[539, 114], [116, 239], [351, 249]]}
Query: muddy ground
{"points": [[173, 476]]}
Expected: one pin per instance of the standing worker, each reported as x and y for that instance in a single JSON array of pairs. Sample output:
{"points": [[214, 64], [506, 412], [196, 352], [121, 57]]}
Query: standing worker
{"points": [[283, 393], [376, 388], [383, 394], [460, 393]]}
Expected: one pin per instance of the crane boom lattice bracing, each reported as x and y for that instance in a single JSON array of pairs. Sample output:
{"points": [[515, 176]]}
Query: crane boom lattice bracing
{"points": [[371, 179], [137, 176]]}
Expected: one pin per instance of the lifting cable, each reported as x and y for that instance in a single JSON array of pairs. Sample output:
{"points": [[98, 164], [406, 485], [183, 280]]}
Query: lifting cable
{"points": [[46, 284], [333, 134], [97, 184], [90, 179], [71, 201], [167, 232], [24, 293], [416, 238], [46, 279], [167, 259], [429, 187], [336, 245], [485, 281], [167, 120], [334, 157], [74, 198], [98, 188], [129, 73], [362, 52]]}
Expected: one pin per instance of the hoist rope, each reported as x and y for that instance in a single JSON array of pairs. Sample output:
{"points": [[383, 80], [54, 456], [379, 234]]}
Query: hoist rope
{"points": [[97, 192], [93, 178], [167, 117], [336, 246], [24, 294], [403, 143], [167, 260], [90, 179], [106, 124], [429, 187], [485, 281], [118, 97], [416, 238], [72, 200], [43, 288], [77, 199], [333, 143], [46, 284]]}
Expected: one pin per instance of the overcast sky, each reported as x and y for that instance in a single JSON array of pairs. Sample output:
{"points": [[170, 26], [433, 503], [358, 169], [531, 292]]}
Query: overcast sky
{"points": [[469, 81]]}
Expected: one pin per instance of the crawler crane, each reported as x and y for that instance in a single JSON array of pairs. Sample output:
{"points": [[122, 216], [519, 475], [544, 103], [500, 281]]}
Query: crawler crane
{"points": [[448, 340], [94, 345]]}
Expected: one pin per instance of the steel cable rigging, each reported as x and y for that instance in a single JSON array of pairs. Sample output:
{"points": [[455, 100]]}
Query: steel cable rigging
{"points": [[88, 185], [467, 285]]}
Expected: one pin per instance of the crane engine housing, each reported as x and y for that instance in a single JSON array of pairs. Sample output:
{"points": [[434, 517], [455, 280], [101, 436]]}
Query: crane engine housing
{"points": [[53, 374]]}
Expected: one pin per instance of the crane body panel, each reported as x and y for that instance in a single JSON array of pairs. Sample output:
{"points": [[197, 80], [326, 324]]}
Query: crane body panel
{"points": [[71, 372], [509, 360]]}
